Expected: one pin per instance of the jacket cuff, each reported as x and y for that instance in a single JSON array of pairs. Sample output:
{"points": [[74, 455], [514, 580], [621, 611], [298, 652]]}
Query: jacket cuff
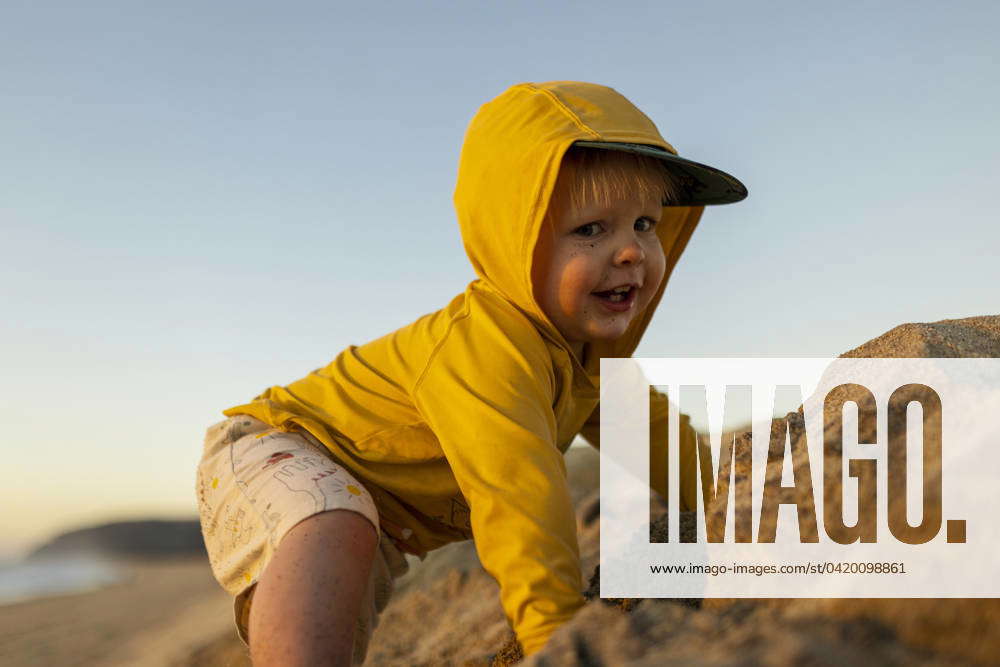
{"points": [[535, 643]]}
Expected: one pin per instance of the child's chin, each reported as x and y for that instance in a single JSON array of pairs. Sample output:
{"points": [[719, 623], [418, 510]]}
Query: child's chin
{"points": [[607, 336]]}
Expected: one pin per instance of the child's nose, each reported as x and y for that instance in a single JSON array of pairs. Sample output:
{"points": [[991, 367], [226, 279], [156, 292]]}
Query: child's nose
{"points": [[630, 253]]}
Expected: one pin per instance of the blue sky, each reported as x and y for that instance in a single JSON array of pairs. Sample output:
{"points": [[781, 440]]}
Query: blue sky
{"points": [[201, 200]]}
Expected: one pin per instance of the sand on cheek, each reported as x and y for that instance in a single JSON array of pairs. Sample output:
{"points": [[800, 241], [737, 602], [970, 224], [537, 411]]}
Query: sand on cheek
{"points": [[576, 279]]}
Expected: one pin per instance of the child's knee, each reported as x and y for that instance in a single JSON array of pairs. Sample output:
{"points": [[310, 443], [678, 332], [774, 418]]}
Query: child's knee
{"points": [[342, 530], [314, 590]]}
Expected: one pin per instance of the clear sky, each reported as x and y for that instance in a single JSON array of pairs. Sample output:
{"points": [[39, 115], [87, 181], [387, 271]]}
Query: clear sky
{"points": [[200, 200]]}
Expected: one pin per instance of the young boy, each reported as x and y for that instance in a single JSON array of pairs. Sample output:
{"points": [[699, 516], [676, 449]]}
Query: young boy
{"points": [[573, 210]]}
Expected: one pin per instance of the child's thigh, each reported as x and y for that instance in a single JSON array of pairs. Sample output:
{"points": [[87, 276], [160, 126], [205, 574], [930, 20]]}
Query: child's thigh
{"points": [[255, 483]]}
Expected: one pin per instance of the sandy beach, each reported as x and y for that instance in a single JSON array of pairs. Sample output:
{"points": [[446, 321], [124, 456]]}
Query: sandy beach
{"points": [[161, 614]]}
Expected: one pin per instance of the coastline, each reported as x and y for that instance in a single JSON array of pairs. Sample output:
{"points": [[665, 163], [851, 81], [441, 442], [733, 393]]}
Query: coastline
{"points": [[33, 579], [160, 613]]}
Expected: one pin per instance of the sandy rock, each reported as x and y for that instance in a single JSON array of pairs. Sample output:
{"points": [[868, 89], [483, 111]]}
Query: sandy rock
{"points": [[969, 337], [665, 633], [801, 631]]}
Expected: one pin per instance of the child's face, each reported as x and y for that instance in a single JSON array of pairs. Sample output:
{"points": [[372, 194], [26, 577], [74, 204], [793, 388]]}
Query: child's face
{"points": [[585, 252]]}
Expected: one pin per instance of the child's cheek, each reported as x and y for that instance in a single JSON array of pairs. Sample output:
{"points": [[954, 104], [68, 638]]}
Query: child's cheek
{"points": [[659, 267], [656, 266], [576, 282]]}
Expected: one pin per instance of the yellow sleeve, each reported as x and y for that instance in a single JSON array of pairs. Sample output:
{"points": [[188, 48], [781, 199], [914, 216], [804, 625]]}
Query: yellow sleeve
{"points": [[489, 401], [659, 408]]}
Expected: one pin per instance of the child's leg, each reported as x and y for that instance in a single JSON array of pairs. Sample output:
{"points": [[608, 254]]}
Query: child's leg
{"points": [[309, 596], [273, 498]]}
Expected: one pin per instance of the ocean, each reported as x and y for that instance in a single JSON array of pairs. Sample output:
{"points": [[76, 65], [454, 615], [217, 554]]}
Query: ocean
{"points": [[25, 580]]}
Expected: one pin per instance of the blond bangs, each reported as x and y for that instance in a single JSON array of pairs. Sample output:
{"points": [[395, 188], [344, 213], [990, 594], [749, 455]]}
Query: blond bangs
{"points": [[599, 176]]}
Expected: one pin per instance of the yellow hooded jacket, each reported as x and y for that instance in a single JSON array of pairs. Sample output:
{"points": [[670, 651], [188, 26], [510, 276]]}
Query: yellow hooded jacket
{"points": [[457, 423]]}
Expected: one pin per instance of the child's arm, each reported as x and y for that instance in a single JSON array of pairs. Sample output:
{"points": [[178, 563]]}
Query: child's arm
{"points": [[490, 404], [659, 408]]}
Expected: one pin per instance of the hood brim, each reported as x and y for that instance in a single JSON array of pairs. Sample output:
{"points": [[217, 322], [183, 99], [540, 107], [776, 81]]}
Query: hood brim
{"points": [[697, 184]]}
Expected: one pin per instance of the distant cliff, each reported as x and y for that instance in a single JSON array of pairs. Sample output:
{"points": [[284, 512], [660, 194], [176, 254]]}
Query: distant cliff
{"points": [[147, 538]]}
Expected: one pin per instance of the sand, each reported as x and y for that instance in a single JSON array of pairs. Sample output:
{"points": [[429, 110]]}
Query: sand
{"points": [[161, 614]]}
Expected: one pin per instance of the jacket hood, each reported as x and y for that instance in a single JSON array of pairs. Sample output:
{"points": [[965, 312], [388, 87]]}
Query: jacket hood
{"points": [[510, 160]]}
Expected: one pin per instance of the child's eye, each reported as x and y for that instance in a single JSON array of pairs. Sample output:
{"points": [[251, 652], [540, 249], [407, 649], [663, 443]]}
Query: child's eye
{"points": [[645, 224], [589, 229]]}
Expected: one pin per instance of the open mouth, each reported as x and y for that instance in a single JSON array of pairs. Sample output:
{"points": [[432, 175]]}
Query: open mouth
{"points": [[618, 298]]}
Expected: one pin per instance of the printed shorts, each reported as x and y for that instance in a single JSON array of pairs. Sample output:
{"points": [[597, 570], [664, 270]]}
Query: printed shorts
{"points": [[254, 484]]}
